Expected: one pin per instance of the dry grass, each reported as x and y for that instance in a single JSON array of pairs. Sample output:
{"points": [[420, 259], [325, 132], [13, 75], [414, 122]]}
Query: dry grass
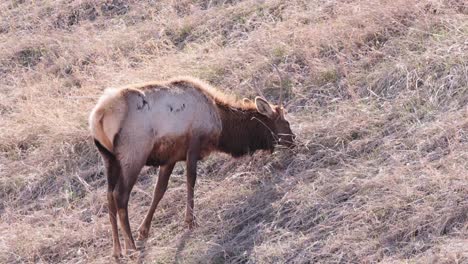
{"points": [[377, 93]]}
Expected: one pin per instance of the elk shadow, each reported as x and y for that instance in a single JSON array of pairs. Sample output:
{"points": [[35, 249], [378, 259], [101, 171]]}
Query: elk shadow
{"points": [[181, 245], [142, 247], [243, 229]]}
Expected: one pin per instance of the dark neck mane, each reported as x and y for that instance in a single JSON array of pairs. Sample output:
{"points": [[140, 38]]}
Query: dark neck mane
{"points": [[244, 130]]}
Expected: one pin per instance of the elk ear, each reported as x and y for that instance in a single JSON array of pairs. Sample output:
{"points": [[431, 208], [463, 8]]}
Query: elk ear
{"points": [[263, 107], [246, 101]]}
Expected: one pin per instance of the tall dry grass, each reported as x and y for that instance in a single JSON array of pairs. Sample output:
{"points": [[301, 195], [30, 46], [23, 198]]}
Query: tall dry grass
{"points": [[376, 93]]}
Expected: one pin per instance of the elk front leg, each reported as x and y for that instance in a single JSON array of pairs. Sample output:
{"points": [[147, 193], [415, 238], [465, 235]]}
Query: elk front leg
{"points": [[193, 155], [159, 190]]}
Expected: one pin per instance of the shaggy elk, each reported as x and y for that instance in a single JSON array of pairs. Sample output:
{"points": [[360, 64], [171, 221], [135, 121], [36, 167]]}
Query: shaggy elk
{"points": [[161, 123]]}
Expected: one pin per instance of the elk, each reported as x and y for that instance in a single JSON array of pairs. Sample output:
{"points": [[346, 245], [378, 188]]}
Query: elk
{"points": [[161, 123]]}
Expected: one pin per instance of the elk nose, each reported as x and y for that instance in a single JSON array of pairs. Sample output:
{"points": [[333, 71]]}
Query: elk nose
{"points": [[292, 143]]}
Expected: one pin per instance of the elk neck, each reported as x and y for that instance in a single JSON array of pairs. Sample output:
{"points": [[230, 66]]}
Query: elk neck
{"points": [[244, 131]]}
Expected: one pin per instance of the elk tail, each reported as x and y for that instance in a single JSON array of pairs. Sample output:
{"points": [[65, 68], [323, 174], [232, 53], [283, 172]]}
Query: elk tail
{"points": [[106, 118]]}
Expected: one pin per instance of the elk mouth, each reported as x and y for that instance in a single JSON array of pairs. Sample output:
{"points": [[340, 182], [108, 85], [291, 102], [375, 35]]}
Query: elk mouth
{"points": [[287, 140]]}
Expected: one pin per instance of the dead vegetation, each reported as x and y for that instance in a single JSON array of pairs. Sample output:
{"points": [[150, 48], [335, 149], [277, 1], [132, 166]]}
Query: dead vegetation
{"points": [[376, 91]]}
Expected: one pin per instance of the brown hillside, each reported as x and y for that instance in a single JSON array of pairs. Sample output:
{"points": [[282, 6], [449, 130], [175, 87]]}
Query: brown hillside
{"points": [[377, 94]]}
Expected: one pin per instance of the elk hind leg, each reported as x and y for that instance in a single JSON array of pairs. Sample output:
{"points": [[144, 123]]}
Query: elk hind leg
{"points": [[112, 169], [121, 195]]}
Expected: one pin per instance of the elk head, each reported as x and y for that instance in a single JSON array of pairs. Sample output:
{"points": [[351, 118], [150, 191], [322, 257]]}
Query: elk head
{"points": [[280, 126]]}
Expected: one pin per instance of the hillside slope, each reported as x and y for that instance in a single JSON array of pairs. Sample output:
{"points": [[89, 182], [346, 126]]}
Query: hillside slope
{"points": [[376, 93]]}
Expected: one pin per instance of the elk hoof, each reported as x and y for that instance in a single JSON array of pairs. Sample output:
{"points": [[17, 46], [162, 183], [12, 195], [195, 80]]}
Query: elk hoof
{"points": [[131, 253], [191, 224], [116, 254], [142, 233]]}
